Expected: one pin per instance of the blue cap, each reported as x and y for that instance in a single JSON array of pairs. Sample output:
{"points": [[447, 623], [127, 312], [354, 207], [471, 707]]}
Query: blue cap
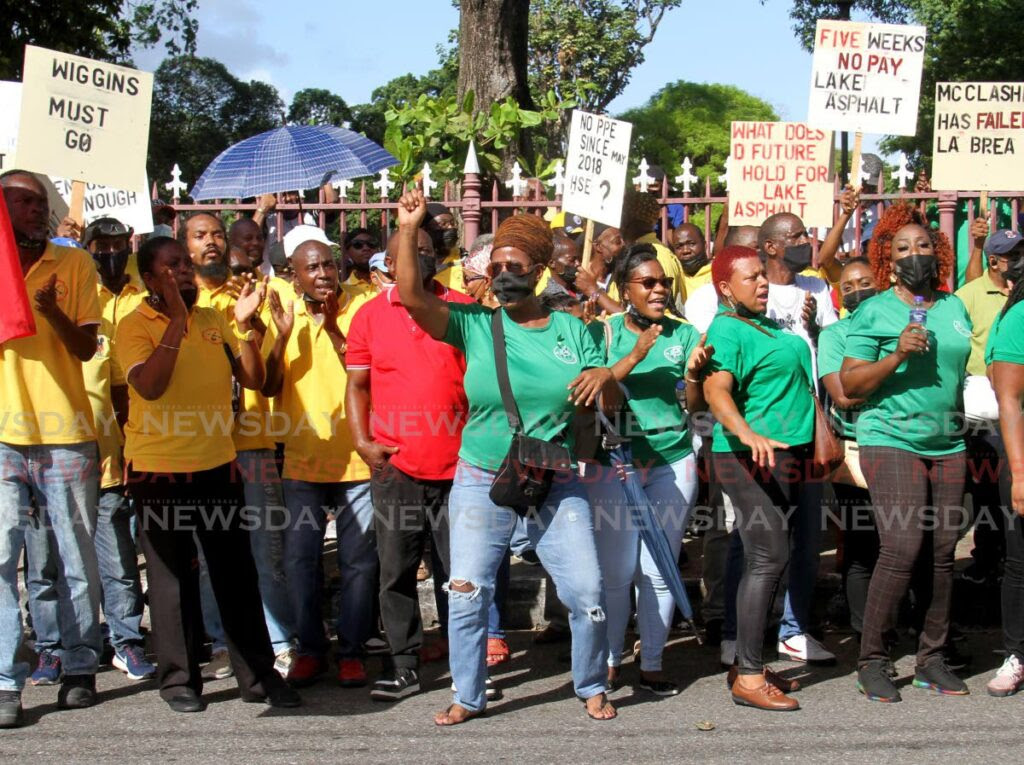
{"points": [[377, 261], [1001, 242], [66, 241]]}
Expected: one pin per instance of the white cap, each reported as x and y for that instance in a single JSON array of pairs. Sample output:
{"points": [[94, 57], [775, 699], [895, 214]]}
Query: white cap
{"points": [[377, 261], [301, 235]]}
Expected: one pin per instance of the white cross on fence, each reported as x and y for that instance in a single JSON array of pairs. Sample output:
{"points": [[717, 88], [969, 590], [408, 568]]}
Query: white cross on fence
{"points": [[343, 185], [176, 185], [429, 184], [516, 183], [687, 178], [644, 179], [724, 177], [903, 174], [384, 185], [557, 183]]}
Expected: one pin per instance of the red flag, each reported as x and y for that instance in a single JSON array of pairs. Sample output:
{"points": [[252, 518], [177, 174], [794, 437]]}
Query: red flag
{"points": [[15, 312]]}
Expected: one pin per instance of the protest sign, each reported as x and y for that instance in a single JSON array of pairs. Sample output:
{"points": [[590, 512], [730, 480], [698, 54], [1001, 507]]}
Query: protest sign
{"points": [[83, 119], [595, 172], [979, 136], [866, 77], [780, 167], [133, 208], [10, 108]]}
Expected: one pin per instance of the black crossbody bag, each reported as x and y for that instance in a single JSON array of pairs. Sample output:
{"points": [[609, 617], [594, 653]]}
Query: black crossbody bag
{"points": [[525, 476]]}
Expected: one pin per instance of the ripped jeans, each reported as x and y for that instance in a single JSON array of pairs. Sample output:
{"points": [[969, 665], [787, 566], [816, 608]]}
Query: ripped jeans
{"points": [[562, 533]]}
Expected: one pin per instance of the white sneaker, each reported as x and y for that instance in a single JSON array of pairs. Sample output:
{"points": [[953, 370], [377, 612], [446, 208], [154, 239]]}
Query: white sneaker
{"points": [[805, 648], [728, 657], [1008, 679], [284, 660]]}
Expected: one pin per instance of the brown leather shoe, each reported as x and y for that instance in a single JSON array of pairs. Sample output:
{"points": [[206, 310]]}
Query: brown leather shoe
{"points": [[767, 697], [784, 685]]}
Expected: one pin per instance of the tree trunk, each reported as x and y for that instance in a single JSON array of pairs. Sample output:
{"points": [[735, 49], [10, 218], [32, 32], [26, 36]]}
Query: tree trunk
{"points": [[493, 38]]}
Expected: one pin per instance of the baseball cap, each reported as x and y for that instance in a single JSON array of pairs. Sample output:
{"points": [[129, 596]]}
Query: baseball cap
{"points": [[301, 234], [277, 257], [1001, 242], [377, 261], [570, 223]]}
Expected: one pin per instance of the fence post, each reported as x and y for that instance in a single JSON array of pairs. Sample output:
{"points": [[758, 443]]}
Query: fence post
{"points": [[471, 185], [947, 225]]}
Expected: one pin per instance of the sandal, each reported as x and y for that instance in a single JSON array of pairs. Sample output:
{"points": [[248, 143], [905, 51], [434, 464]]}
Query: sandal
{"points": [[497, 652], [447, 714], [604, 706], [434, 651]]}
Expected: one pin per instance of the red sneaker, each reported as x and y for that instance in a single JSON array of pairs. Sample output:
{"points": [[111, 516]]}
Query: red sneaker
{"points": [[351, 673], [306, 670], [497, 652]]}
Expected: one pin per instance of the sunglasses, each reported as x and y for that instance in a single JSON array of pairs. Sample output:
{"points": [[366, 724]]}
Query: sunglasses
{"points": [[495, 268], [650, 282], [363, 244]]}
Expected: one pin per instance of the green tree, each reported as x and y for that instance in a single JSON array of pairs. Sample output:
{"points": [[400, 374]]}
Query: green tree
{"points": [[689, 119], [805, 14], [100, 29], [369, 119], [317, 106], [199, 109]]}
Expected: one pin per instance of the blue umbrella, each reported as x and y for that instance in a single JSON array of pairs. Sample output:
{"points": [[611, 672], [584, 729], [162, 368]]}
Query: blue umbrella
{"points": [[651, 532], [290, 158]]}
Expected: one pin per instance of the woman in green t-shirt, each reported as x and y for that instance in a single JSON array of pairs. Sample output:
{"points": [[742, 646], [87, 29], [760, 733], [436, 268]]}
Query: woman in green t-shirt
{"points": [[911, 441], [554, 366], [651, 354], [1004, 356], [759, 391]]}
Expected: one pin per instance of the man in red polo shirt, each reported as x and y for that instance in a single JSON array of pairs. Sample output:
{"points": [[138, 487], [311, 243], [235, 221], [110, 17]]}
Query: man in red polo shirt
{"points": [[413, 384]]}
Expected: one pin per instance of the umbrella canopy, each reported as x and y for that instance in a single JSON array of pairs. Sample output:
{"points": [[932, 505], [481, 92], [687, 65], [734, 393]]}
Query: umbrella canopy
{"points": [[290, 158]]}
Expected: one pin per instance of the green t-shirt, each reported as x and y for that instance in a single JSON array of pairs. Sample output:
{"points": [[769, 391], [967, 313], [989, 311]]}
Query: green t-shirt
{"points": [[1006, 338], [654, 422], [772, 374], [919, 407], [542, 362], [831, 350]]}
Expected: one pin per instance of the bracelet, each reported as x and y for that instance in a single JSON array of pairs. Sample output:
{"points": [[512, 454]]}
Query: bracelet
{"points": [[170, 347], [692, 381]]}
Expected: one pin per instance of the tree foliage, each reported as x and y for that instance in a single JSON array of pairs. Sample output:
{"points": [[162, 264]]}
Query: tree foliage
{"points": [[318, 106], [805, 14], [688, 119], [369, 119], [199, 109], [100, 29]]}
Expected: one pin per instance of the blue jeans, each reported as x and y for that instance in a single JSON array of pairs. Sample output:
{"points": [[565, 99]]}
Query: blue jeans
{"points": [[262, 484], [625, 561], [308, 505], [563, 536], [212, 624], [63, 481]]}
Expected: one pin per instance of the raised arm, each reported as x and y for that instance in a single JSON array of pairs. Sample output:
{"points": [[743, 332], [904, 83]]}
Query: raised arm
{"points": [[284, 320], [249, 369], [976, 261], [849, 200], [426, 308], [151, 378]]}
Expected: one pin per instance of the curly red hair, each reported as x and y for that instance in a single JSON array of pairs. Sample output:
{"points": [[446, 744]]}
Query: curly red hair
{"points": [[880, 247]]}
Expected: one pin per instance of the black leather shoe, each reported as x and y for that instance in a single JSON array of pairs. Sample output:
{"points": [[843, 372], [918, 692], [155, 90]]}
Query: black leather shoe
{"points": [[77, 692], [277, 694], [186, 700]]}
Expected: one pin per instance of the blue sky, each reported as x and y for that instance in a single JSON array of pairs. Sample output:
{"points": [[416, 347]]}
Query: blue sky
{"points": [[352, 46]]}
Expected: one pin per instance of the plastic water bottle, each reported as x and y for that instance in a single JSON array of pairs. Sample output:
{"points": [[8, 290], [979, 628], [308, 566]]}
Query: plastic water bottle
{"points": [[919, 314], [681, 394]]}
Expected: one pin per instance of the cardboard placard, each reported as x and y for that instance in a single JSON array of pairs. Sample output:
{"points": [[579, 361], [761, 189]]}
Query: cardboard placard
{"points": [[780, 167], [83, 119], [133, 208], [10, 109], [595, 169], [979, 136], [866, 77]]}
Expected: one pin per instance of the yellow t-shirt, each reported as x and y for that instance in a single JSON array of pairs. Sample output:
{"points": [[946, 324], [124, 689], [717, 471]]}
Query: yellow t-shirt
{"points": [[983, 302], [42, 390], [220, 298], [102, 372], [189, 427], [449, 273], [353, 286], [692, 283], [318, 445]]}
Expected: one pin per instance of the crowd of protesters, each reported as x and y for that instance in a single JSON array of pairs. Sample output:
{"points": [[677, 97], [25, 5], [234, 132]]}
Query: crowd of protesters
{"points": [[225, 399]]}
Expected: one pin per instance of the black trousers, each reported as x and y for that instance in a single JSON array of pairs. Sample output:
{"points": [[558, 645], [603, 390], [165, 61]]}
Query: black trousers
{"points": [[174, 509], [860, 547], [983, 460], [406, 510]]}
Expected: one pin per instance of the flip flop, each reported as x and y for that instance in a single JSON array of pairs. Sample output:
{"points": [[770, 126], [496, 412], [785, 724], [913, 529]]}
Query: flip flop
{"points": [[448, 711], [606, 704]]}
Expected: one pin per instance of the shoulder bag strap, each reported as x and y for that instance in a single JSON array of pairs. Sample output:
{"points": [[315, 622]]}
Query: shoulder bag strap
{"points": [[734, 315], [501, 368]]}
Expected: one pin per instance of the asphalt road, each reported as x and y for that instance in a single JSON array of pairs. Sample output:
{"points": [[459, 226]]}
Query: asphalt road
{"points": [[539, 721]]}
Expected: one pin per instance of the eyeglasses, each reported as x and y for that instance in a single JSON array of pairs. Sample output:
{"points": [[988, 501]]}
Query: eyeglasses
{"points": [[363, 244], [494, 268], [470, 278], [650, 282]]}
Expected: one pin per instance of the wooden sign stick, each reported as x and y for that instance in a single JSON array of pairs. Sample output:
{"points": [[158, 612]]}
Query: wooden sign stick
{"points": [[858, 140], [588, 244], [983, 204], [77, 204]]}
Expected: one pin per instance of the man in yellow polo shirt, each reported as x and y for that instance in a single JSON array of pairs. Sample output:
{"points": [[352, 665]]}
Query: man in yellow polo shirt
{"points": [[323, 474], [444, 233], [984, 297], [689, 246], [358, 247], [48, 448]]}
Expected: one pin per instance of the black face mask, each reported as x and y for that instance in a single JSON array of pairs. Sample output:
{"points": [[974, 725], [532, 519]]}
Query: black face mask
{"points": [[1014, 270], [797, 257], [449, 238], [694, 264], [916, 272], [428, 267], [639, 319], [569, 275], [111, 265], [511, 288], [853, 299]]}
